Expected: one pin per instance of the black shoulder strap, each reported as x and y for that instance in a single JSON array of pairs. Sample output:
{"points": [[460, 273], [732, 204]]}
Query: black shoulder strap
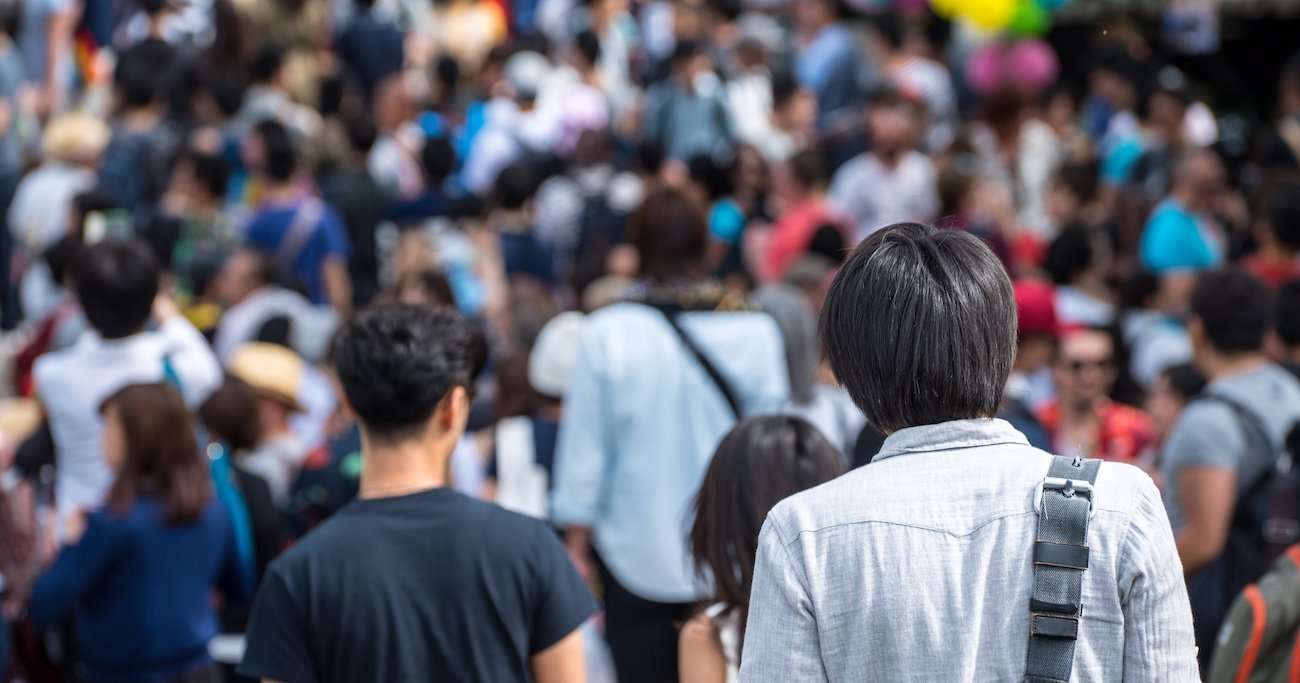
{"points": [[709, 368], [1064, 502]]}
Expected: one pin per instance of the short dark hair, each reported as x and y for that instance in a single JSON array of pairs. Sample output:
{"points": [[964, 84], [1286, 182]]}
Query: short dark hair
{"points": [[280, 158], [515, 185], [226, 87], [362, 132], [397, 362], [210, 170], [116, 281], [1069, 254], [920, 327], [890, 29], [438, 157], [267, 63], [1185, 380], [1235, 309], [1286, 318], [231, 415], [808, 168], [138, 76], [670, 230], [588, 45], [760, 463], [1284, 220]]}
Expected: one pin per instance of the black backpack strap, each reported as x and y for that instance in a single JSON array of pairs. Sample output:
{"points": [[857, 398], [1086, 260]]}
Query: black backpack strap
{"points": [[709, 368], [1064, 504]]}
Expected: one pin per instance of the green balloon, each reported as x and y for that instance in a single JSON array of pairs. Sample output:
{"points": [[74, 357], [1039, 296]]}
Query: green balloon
{"points": [[1029, 19]]}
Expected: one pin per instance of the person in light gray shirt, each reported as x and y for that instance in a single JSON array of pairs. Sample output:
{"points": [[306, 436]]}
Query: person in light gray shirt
{"points": [[1225, 444], [920, 565]]}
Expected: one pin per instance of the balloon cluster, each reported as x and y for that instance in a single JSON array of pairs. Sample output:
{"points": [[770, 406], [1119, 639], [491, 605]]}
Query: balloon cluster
{"points": [[1019, 17]]}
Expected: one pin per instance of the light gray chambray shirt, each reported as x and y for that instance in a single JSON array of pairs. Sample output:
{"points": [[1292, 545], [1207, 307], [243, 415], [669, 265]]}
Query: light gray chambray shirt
{"points": [[918, 567]]}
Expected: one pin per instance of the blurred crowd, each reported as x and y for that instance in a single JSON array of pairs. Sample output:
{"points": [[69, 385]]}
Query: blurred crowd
{"points": [[197, 194]]}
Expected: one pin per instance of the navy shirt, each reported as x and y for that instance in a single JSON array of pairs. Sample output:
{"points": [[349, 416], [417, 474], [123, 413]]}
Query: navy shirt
{"points": [[434, 586], [141, 591], [328, 239]]}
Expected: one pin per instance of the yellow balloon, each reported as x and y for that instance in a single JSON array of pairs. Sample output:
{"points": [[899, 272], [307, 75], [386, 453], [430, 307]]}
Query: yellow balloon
{"points": [[989, 14], [946, 8]]}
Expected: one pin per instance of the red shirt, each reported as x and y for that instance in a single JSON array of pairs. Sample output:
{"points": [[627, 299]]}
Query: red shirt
{"points": [[1273, 273], [1126, 432], [793, 233]]}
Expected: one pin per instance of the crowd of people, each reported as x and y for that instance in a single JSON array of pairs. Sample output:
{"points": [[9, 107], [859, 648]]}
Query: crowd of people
{"points": [[354, 340]]}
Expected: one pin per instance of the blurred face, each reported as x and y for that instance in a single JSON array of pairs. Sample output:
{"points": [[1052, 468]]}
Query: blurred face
{"points": [[1167, 112], [1164, 405], [1062, 203], [811, 13], [751, 171], [1061, 112], [1205, 182], [891, 129], [113, 441], [253, 152], [1085, 367], [236, 280]]}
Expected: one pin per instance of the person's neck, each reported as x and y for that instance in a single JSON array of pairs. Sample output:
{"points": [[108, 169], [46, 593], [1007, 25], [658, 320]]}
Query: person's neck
{"points": [[280, 193], [1292, 355], [889, 158], [1186, 199], [1271, 251], [1076, 412], [1217, 366], [399, 468]]}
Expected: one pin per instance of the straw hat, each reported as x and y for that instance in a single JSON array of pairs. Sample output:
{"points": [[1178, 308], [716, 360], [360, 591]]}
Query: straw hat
{"points": [[273, 371], [75, 137]]}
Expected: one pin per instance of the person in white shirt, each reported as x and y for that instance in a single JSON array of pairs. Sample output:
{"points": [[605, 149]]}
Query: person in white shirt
{"points": [[891, 182], [117, 283]]}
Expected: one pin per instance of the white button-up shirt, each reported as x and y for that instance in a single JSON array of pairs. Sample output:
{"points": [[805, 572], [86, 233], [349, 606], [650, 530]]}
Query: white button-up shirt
{"points": [[918, 567]]}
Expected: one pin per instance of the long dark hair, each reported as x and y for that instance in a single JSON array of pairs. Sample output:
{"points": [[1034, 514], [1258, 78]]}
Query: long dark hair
{"points": [[162, 455], [761, 462]]}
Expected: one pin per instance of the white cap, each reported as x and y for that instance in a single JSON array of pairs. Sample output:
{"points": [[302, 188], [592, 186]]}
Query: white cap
{"points": [[525, 72], [554, 353]]}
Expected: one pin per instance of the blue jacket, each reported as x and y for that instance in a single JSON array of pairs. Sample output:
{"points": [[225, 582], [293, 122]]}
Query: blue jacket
{"points": [[141, 591]]}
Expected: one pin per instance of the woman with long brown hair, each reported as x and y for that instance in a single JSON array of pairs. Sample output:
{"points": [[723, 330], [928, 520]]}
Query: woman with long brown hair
{"points": [[138, 575], [760, 463]]}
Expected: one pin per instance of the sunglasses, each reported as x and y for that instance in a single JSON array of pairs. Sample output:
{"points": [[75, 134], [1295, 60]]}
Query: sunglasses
{"points": [[1081, 365]]}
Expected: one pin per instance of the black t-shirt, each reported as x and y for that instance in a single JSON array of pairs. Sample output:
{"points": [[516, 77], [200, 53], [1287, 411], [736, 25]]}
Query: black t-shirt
{"points": [[433, 586]]}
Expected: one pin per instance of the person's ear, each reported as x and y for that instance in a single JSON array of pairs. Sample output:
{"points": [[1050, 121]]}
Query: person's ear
{"points": [[1196, 331], [453, 412]]}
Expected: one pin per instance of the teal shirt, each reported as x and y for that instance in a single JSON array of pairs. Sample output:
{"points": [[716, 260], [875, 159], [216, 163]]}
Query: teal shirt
{"points": [[1175, 239]]}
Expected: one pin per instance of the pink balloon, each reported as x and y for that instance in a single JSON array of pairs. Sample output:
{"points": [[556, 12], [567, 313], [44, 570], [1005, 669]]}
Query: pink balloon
{"points": [[984, 69], [1025, 65], [1032, 64]]}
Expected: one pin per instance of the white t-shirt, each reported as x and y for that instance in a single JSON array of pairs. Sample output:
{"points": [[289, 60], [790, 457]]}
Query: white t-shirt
{"points": [[876, 196], [73, 383]]}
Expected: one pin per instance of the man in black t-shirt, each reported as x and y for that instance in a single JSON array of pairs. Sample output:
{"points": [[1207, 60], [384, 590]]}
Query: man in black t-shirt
{"points": [[413, 581]]}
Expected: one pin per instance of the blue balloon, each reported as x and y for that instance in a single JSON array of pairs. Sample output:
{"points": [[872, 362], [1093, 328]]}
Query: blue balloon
{"points": [[1050, 5]]}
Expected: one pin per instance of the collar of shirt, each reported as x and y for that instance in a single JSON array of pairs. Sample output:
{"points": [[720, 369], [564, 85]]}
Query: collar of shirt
{"points": [[950, 435]]}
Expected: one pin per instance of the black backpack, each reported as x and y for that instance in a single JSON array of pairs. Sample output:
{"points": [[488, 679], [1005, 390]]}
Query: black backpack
{"points": [[1265, 522], [600, 229]]}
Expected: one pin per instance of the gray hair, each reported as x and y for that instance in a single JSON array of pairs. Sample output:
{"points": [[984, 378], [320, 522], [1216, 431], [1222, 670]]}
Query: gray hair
{"points": [[798, 324]]}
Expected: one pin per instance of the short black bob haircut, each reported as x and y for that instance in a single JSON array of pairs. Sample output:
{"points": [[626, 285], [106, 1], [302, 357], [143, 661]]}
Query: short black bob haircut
{"points": [[116, 281], [396, 363], [920, 327], [1235, 308]]}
